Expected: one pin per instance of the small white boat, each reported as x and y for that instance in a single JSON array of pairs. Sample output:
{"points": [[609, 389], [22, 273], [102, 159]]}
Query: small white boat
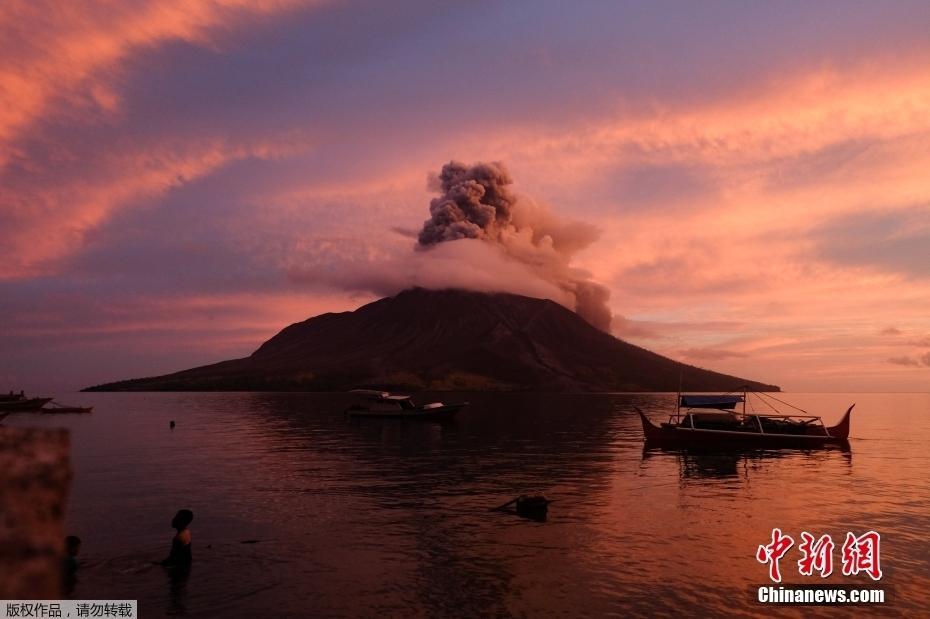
{"points": [[55, 407], [387, 405]]}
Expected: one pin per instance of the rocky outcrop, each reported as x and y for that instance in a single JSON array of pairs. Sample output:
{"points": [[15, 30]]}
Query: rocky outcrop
{"points": [[35, 476]]}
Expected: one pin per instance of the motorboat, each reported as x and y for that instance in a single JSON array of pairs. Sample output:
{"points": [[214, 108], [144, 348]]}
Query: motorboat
{"points": [[18, 402], [387, 405]]}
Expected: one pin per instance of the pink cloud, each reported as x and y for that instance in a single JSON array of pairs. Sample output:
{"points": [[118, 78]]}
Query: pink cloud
{"points": [[59, 55], [45, 223], [466, 263]]}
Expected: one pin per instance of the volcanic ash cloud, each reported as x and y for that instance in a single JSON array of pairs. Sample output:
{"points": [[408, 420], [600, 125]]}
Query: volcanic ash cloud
{"points": [[476, 202]]}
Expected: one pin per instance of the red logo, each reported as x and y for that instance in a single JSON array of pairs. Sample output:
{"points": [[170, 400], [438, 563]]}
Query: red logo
{"points": [[859, 554], [818, 555], [773, 552]]}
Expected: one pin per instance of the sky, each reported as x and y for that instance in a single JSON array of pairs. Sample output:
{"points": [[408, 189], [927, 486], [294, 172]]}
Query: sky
{"points": [[180, 179]]}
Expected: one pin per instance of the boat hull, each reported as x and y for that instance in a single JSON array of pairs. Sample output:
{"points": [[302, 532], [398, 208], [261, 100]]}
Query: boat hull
{"points": [[67, 409], [667, 435], [443, 412], [25, 405]]}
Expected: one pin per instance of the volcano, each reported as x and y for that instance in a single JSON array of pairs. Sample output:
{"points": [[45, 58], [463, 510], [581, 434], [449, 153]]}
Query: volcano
{"points": [[441, 340]]}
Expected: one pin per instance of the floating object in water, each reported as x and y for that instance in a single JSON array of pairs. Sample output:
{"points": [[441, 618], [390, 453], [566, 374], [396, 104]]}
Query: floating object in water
{"points": [[384, 404], [171, 424], [534, 507], [721, 428]]}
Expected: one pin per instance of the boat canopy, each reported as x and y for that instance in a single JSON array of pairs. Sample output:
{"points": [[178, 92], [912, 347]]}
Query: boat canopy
{"points": [[384, 396], [711, 401], [371, 392]]}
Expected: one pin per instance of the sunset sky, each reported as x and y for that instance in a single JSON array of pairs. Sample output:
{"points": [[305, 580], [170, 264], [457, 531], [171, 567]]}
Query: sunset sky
{"points": [[182, 179]]}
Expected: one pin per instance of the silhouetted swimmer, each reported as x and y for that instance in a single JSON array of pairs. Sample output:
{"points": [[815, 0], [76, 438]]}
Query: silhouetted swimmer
{"points": [[72, 548], [181, 543], [69, 564], [171, 424]]}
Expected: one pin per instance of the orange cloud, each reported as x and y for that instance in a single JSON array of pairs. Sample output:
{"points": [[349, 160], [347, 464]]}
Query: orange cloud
{"points": [[55, 51], [52, 221], [63, 60], [785, 158]]}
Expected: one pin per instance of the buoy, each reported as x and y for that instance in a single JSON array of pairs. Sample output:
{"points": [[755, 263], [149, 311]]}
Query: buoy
{"points": [[171, 424]]}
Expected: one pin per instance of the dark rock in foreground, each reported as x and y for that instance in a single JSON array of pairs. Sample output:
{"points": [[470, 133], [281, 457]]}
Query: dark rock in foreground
{"points": [[35, 475], [445, 340]]}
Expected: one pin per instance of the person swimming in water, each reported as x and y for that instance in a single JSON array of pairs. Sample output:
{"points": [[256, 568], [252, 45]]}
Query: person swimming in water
{"points": [[69, 564], [181, 542], [72, 548]]}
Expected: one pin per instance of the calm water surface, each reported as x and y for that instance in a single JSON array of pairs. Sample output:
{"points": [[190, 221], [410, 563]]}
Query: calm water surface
{"points": [[302, 513]]}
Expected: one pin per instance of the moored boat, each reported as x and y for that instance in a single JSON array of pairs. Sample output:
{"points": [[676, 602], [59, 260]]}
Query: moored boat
{"points": [[386, 405], [21, 403], [712, 421]]}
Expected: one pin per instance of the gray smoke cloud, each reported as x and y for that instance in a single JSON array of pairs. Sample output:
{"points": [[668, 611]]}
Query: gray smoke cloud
{"points": [[476, 202]]}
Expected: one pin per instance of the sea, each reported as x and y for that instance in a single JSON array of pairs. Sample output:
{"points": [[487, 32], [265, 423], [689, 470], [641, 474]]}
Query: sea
{"points": [[300, 511]]}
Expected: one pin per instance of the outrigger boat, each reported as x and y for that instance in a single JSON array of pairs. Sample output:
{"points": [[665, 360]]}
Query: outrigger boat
{"points": [[712, 421], [386, 405]]}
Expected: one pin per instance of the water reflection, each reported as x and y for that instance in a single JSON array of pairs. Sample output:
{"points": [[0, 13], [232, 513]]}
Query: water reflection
{"points": [[697, 464], [393, 518], [515, 437], [430, 487], [178, 577]]}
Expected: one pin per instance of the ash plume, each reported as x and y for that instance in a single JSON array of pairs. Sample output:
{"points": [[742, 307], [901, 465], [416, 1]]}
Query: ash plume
{"points": [[476, 202]]}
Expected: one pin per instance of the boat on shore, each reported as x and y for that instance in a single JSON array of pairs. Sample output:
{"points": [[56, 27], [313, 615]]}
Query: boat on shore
{"points": [[390, 406], [713, 421], [19, 403]]}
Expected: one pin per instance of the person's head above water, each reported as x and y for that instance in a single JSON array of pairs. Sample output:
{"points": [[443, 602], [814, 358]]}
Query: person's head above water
{"points": [[72, 545], [182, 519]]}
